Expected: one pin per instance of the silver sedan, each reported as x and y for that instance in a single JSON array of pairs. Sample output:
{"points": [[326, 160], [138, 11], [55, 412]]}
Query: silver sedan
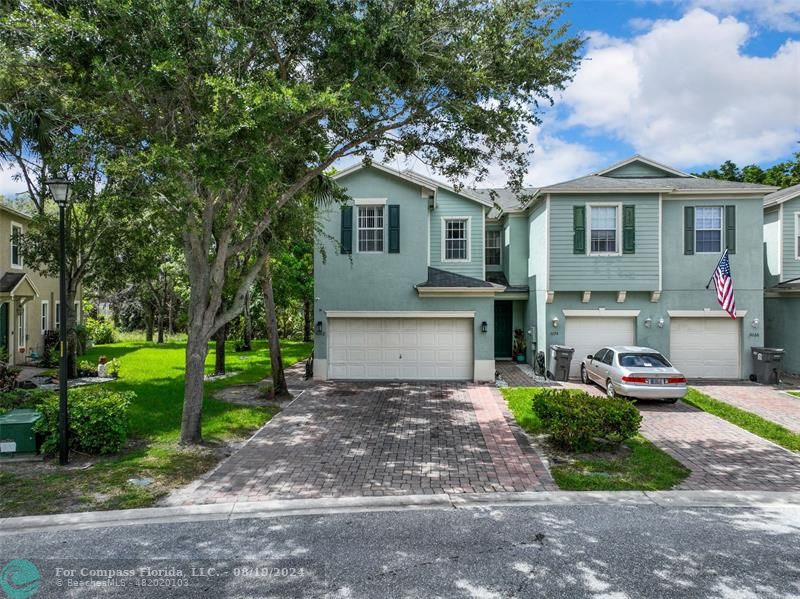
{"points": [[636, 372]]}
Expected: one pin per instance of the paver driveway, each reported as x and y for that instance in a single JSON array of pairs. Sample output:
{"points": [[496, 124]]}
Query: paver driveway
{"points": [[766, 401], [349, 439]]}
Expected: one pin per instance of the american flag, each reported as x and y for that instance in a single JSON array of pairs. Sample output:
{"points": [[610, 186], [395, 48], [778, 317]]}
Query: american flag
{"points": [[724, 285]]}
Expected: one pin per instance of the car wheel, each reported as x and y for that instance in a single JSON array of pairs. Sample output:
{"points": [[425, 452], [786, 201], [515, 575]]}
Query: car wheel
{"points": [[584, 375], [610, 390], [671, 400]]}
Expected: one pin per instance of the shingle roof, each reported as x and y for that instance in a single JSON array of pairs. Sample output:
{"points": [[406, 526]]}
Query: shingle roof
{"points": [[10, 280], [603, 183], [498, 277], [506, 198], [443, 278], [787, 193]]}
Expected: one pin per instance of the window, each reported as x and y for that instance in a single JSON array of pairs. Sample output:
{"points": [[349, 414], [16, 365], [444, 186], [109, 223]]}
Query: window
{"points": [[797, 235], [604, 225], [608, 357], [456, 239], [45, 316], [493, 250], [599, 355], [58, 314], [21, 333], [16, 250], [643, 361], [708, 229], [370, 228]]}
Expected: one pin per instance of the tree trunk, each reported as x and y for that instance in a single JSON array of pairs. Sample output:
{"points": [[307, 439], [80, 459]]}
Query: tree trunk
{"points": [[219, 360], [306, 319], [160, 324], [196, 353], [247, 334], [278, 377], [148, 322]]}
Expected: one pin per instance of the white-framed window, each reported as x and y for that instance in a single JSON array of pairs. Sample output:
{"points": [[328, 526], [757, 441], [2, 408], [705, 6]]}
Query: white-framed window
{"points": [[57, 319], [45, 316], [797, 235], [22, 318], [494, 253], [604, 229], [16, 248], [370, 229], [455, 239], [708, 229]]}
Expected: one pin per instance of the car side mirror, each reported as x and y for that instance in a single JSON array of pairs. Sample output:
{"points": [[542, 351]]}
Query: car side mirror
{"points": [[590, 357]]}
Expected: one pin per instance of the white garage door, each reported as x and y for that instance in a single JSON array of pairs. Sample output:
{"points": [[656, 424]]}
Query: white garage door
{"points": [[400, 348], [587, 334], [705, 347]]}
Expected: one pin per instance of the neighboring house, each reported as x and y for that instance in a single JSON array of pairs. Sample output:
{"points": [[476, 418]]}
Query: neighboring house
{"points": [[28, 301], [782, 274], [416, 280]]}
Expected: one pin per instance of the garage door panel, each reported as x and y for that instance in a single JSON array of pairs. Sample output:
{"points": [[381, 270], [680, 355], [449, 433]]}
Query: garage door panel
{"points": [[587, 334], [400, 348], [705, 347]]}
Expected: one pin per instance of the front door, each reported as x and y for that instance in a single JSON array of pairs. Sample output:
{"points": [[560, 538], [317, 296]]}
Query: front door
{"points": [[503, 333], [4, 328]]}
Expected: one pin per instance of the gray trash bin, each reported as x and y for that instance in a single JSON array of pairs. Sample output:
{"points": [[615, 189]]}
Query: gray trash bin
{"points": [[560, 359], [767, 364]]}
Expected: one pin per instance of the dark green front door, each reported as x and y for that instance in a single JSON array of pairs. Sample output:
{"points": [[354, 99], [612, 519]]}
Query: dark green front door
{"points": [[503, 334], [4, 327]]}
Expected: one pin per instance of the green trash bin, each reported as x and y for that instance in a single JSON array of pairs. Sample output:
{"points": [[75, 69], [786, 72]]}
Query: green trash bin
{"points": [[16, 432]]}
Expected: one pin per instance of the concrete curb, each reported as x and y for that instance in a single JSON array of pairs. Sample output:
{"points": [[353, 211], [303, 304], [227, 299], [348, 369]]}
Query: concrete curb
{"points": [[309, 507]]}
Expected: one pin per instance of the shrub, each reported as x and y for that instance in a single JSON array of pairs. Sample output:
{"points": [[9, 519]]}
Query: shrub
{"points": [[582, 422], [22, 398], [98, 420], [86, 368], [51, 353], [8, 377], [101, 331]]}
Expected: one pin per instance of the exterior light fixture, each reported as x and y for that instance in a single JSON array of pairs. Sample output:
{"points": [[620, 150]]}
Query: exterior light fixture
{"points": [[60, 190], [318, 328], [484, 327], [661, 323], [755, 323], [555, 322], [648, 322]]}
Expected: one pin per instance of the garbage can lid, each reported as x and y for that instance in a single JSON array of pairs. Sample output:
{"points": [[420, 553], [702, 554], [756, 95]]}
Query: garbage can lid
{"points": [[562, 348], [768, 350], [20, 416]]}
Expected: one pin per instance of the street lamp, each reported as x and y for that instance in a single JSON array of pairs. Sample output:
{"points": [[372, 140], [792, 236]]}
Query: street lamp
{"points": [[60, 190]]}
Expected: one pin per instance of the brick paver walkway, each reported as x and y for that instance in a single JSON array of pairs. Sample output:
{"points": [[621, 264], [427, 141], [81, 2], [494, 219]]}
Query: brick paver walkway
{"points": [[767, 402], [348, 439], [719, 454]]}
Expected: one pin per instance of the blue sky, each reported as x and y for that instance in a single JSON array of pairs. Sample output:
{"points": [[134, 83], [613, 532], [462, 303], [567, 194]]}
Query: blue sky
{"points": [[689, 83]]}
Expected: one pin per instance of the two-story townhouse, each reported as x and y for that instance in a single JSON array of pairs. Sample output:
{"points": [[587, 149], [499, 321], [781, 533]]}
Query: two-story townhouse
{"points": [[415, 280], [29, 302], [782, 274]]}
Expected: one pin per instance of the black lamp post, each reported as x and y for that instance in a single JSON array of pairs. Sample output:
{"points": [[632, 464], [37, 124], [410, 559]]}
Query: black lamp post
{"points": [[60, 188]]}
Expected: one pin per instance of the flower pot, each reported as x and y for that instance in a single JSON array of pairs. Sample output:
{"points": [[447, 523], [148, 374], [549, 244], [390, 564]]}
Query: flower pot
{"points": [[520, 358]]}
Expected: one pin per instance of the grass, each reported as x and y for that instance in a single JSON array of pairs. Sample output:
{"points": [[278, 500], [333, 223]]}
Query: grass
{"points": [[155, 373], [795, 393], [644, 468], [744, 419]]}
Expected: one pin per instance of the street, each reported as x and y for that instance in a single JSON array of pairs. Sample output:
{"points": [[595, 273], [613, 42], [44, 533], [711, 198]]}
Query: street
{"points": [[532, 551]]}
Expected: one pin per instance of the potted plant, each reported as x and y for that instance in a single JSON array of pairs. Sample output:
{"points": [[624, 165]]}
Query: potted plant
{"points": [[519, 345]]}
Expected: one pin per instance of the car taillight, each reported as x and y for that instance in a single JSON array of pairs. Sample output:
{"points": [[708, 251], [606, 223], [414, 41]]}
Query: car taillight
{"points": [[676, 380], [634, 379]]}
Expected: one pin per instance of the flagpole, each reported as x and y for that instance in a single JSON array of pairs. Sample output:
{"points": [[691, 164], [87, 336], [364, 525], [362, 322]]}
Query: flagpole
{"points": [[715, 268]]}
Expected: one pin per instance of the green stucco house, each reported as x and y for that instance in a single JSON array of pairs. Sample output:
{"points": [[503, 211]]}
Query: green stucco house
{"points": [[782, 274], [416, 280]]}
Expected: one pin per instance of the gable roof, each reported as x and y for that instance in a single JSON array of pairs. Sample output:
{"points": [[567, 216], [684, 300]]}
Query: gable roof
{"points": [[644, 160], [10, 282], [781, 196], [442, 278], [599, 183], [417, 179], [506, 200]]}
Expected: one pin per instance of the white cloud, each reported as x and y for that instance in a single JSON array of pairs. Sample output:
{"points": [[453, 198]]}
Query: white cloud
{"points": [[780, 15], [8, 186], [682, 92]]}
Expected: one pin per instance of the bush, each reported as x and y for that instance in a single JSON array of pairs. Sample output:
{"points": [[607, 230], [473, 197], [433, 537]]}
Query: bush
{"points": [[582, 422], [101, 331], [22, 398], [98, 420], [8, 377], [86, 368], [51, 353]]}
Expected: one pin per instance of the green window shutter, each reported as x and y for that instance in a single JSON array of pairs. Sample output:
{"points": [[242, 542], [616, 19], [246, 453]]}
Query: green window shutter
{"points": [[579, 228], [347, 230], [730, 229], [688, 230], [629, 229], [394, 229]]}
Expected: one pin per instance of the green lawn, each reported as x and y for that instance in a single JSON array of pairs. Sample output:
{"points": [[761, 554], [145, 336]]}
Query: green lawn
{"points": [[155, 373], [795, 393], [645, 468], [744, 419]]}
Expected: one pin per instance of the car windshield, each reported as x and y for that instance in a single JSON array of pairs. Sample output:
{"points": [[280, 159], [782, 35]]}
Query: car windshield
{"points": [[643, 361]]}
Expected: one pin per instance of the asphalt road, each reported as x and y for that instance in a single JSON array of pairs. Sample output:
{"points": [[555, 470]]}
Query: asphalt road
{"points": [[543, 551]]}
